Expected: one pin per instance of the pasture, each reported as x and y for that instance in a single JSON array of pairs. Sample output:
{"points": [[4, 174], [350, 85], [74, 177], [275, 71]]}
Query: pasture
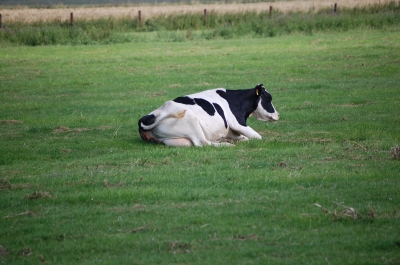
{"points": [[78, 185]]}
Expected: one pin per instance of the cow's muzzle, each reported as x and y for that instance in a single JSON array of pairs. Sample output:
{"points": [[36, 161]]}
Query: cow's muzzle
{"points": [[274, 117]]}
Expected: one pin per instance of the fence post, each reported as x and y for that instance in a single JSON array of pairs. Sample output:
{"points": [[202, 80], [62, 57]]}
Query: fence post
{"points": [[1, 22], [72, 18], [140, 17], [205, 17], [270, 11], [335, 8]]}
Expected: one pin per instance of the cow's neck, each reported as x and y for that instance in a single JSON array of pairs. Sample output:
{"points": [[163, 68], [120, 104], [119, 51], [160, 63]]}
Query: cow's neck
{"points": [[241, 102]]}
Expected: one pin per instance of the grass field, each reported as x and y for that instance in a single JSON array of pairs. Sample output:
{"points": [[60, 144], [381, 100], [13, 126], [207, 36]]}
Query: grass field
{"points": [[79, 186]]}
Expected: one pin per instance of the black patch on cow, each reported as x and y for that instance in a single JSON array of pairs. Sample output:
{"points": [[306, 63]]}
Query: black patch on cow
{"points": [[221, 113], [147, 120], [185, 100], [205, 105], [241, 103], [266, 100], [222, 94]]}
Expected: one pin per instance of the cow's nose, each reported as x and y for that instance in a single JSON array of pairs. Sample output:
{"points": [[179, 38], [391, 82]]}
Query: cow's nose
{"points": [[276, 116]]}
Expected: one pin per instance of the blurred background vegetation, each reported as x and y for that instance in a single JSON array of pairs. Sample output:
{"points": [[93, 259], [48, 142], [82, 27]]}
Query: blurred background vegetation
{"points": [[181, 27]]}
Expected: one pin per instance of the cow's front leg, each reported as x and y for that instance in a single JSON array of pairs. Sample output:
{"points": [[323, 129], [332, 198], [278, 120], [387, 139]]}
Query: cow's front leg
{"points": [[247, 131], [235, 136]]}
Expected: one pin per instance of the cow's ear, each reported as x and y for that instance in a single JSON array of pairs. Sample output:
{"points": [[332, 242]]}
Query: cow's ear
{"points": [[260, 86]]}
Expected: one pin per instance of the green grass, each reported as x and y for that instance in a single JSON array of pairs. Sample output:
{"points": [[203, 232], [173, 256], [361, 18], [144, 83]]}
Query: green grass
{"points": [[78, 185]]}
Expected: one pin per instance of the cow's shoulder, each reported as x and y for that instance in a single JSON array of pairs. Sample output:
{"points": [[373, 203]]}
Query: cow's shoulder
{"points": [[235, 101]]}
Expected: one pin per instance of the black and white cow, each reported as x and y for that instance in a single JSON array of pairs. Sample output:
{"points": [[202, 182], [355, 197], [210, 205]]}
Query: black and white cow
{"points": [[208, 117]]}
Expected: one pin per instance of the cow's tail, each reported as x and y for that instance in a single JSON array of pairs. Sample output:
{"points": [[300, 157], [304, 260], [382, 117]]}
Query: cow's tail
{"points": [[150, 121], [146, 123]]}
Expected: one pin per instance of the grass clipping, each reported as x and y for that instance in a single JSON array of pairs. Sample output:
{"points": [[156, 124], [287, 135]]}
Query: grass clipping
{"points": [[5, 184], [348, 212], [38, 195], [395, 152]]}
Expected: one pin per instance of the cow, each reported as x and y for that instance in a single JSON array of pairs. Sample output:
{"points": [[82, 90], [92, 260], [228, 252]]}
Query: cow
{"points": [[212, 117]]}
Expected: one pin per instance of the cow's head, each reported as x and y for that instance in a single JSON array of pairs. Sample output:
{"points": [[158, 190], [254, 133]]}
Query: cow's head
{"points": [[265, 110]]}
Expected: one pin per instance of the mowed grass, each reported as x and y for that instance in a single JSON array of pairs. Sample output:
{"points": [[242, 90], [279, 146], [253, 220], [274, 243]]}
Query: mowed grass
{"points": [[78, 185]]}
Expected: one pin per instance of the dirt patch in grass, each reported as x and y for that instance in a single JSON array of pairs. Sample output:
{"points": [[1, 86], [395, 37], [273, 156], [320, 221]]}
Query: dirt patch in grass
{"points": [[282, 164], [10, 122], [111, 185], [103, 128], [65, 129], [3, 251], [348, 212], [5, 184], [178, 247], [249, 237], [27, 252], [38, 195], [395, 152], [30, 15], [138, 229], [27, 213]]}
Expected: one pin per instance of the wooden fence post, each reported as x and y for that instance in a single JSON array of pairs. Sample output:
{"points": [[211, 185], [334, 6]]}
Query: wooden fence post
{"points": [[335, 8], [270, 11], [1, 22], [72, 18], [140, 17]]}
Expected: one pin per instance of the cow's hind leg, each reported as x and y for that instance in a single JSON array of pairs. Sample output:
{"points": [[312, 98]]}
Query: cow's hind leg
{"points": [[178, 142], [194, 131], [181, 131]]}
